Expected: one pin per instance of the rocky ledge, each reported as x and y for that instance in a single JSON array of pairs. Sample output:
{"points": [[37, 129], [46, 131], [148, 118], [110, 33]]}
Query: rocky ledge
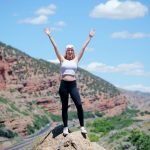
{"points": [[73, 141]]}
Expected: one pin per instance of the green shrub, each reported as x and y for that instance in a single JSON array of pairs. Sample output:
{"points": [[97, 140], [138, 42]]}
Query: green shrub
{"points": [[56, 118], [145, 112], [139, 139], [121, 121], [12, 90], [2, 125], [88, 115], [7, 133], [14, 107], [102, 125], [93, 137], [40, 121], [30, 129], [89, 124], [118, 135], [72, 115], [3, 100], [142, 113], [99, 114], [130, 112]]}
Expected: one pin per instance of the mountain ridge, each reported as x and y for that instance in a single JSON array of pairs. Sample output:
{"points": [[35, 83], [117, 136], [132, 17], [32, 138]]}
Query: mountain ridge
{"points": [[29, 91]]}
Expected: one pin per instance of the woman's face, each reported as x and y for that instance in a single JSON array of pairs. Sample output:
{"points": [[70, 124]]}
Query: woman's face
{"points": [[70, 52]]}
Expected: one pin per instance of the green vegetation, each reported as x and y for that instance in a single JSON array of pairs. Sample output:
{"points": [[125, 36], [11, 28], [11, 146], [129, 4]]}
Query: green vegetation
{"points": [[106, 125], [89, 124], [30, 129], [88, 115], [2, 125], [118, 135], [139, 139], [145, 113], [99, 114], [14, 107], [56, 118], [103, 126], [3, 100], [93, 137], [31, 104], [11, 107], [40, 121], [73, 115], [12, 90], [119, 122], [6, 132], [130, 112]]}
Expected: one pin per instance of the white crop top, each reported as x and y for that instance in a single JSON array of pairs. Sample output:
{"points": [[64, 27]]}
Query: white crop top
{"points": [[68, 67]]}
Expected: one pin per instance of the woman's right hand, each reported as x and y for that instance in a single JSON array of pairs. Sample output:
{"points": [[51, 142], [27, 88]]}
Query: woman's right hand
{"points": [[47, 31]]}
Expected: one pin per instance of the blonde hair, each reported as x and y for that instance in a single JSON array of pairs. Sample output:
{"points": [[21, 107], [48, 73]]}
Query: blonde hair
{"points": [[71, 47], [66, 57]]}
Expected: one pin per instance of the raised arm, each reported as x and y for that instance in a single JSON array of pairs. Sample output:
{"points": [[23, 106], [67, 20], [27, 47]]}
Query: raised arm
{"points": [[59, 56], [91, 34]]}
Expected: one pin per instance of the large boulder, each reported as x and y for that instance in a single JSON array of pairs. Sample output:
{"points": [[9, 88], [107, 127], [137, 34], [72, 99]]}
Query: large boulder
{"points": [[73, 141]]}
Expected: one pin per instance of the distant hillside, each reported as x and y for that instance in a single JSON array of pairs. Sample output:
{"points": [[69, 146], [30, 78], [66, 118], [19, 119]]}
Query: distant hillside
{"points": [[26, 66], [29, 92], [141, 100]]}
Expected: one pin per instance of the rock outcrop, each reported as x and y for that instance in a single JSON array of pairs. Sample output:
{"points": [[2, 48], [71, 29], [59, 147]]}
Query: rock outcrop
{"points": [[74, 141]]}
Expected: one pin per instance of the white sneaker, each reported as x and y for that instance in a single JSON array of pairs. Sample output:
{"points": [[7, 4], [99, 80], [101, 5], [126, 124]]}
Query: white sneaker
{"points": [[65, 131], [83, 130]]}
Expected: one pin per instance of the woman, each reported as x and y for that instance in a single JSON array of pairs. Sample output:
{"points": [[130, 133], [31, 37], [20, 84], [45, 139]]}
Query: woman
{"points": [[68, 85]]}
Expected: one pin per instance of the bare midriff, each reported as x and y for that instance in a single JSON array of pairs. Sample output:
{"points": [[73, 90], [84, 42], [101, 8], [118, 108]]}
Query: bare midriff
{"points": [[68, 77]]}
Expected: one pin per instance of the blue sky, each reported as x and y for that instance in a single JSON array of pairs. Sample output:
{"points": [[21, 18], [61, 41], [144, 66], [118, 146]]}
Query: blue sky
{"points": [[118, 52]]}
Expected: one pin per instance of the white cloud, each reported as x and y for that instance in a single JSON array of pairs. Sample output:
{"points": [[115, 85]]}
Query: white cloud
{"points": [[48, 10], [61, 23], [135, 87], [37, 20], [54, 61], [116, 9], [55, 29], [127, 35], [58, 26], [42, 17], [135, 69]]}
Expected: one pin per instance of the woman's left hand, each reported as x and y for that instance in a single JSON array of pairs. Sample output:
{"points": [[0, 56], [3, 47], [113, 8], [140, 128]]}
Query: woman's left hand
{"points": [[92, 32]]}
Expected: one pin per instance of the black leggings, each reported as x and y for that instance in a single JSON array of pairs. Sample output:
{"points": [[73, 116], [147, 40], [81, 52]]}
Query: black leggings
{"points": [[66, 88]]}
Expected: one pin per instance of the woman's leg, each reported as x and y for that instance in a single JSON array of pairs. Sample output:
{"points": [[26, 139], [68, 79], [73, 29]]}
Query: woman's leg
{"points": [[64, 99], [77, 100]]}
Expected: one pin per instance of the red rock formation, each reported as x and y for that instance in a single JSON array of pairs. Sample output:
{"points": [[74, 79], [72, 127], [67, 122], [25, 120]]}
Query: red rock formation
{"points": [[5, 71], [49, 104], [111, 106], [18, 125], [35, 84], [2, 73]]}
